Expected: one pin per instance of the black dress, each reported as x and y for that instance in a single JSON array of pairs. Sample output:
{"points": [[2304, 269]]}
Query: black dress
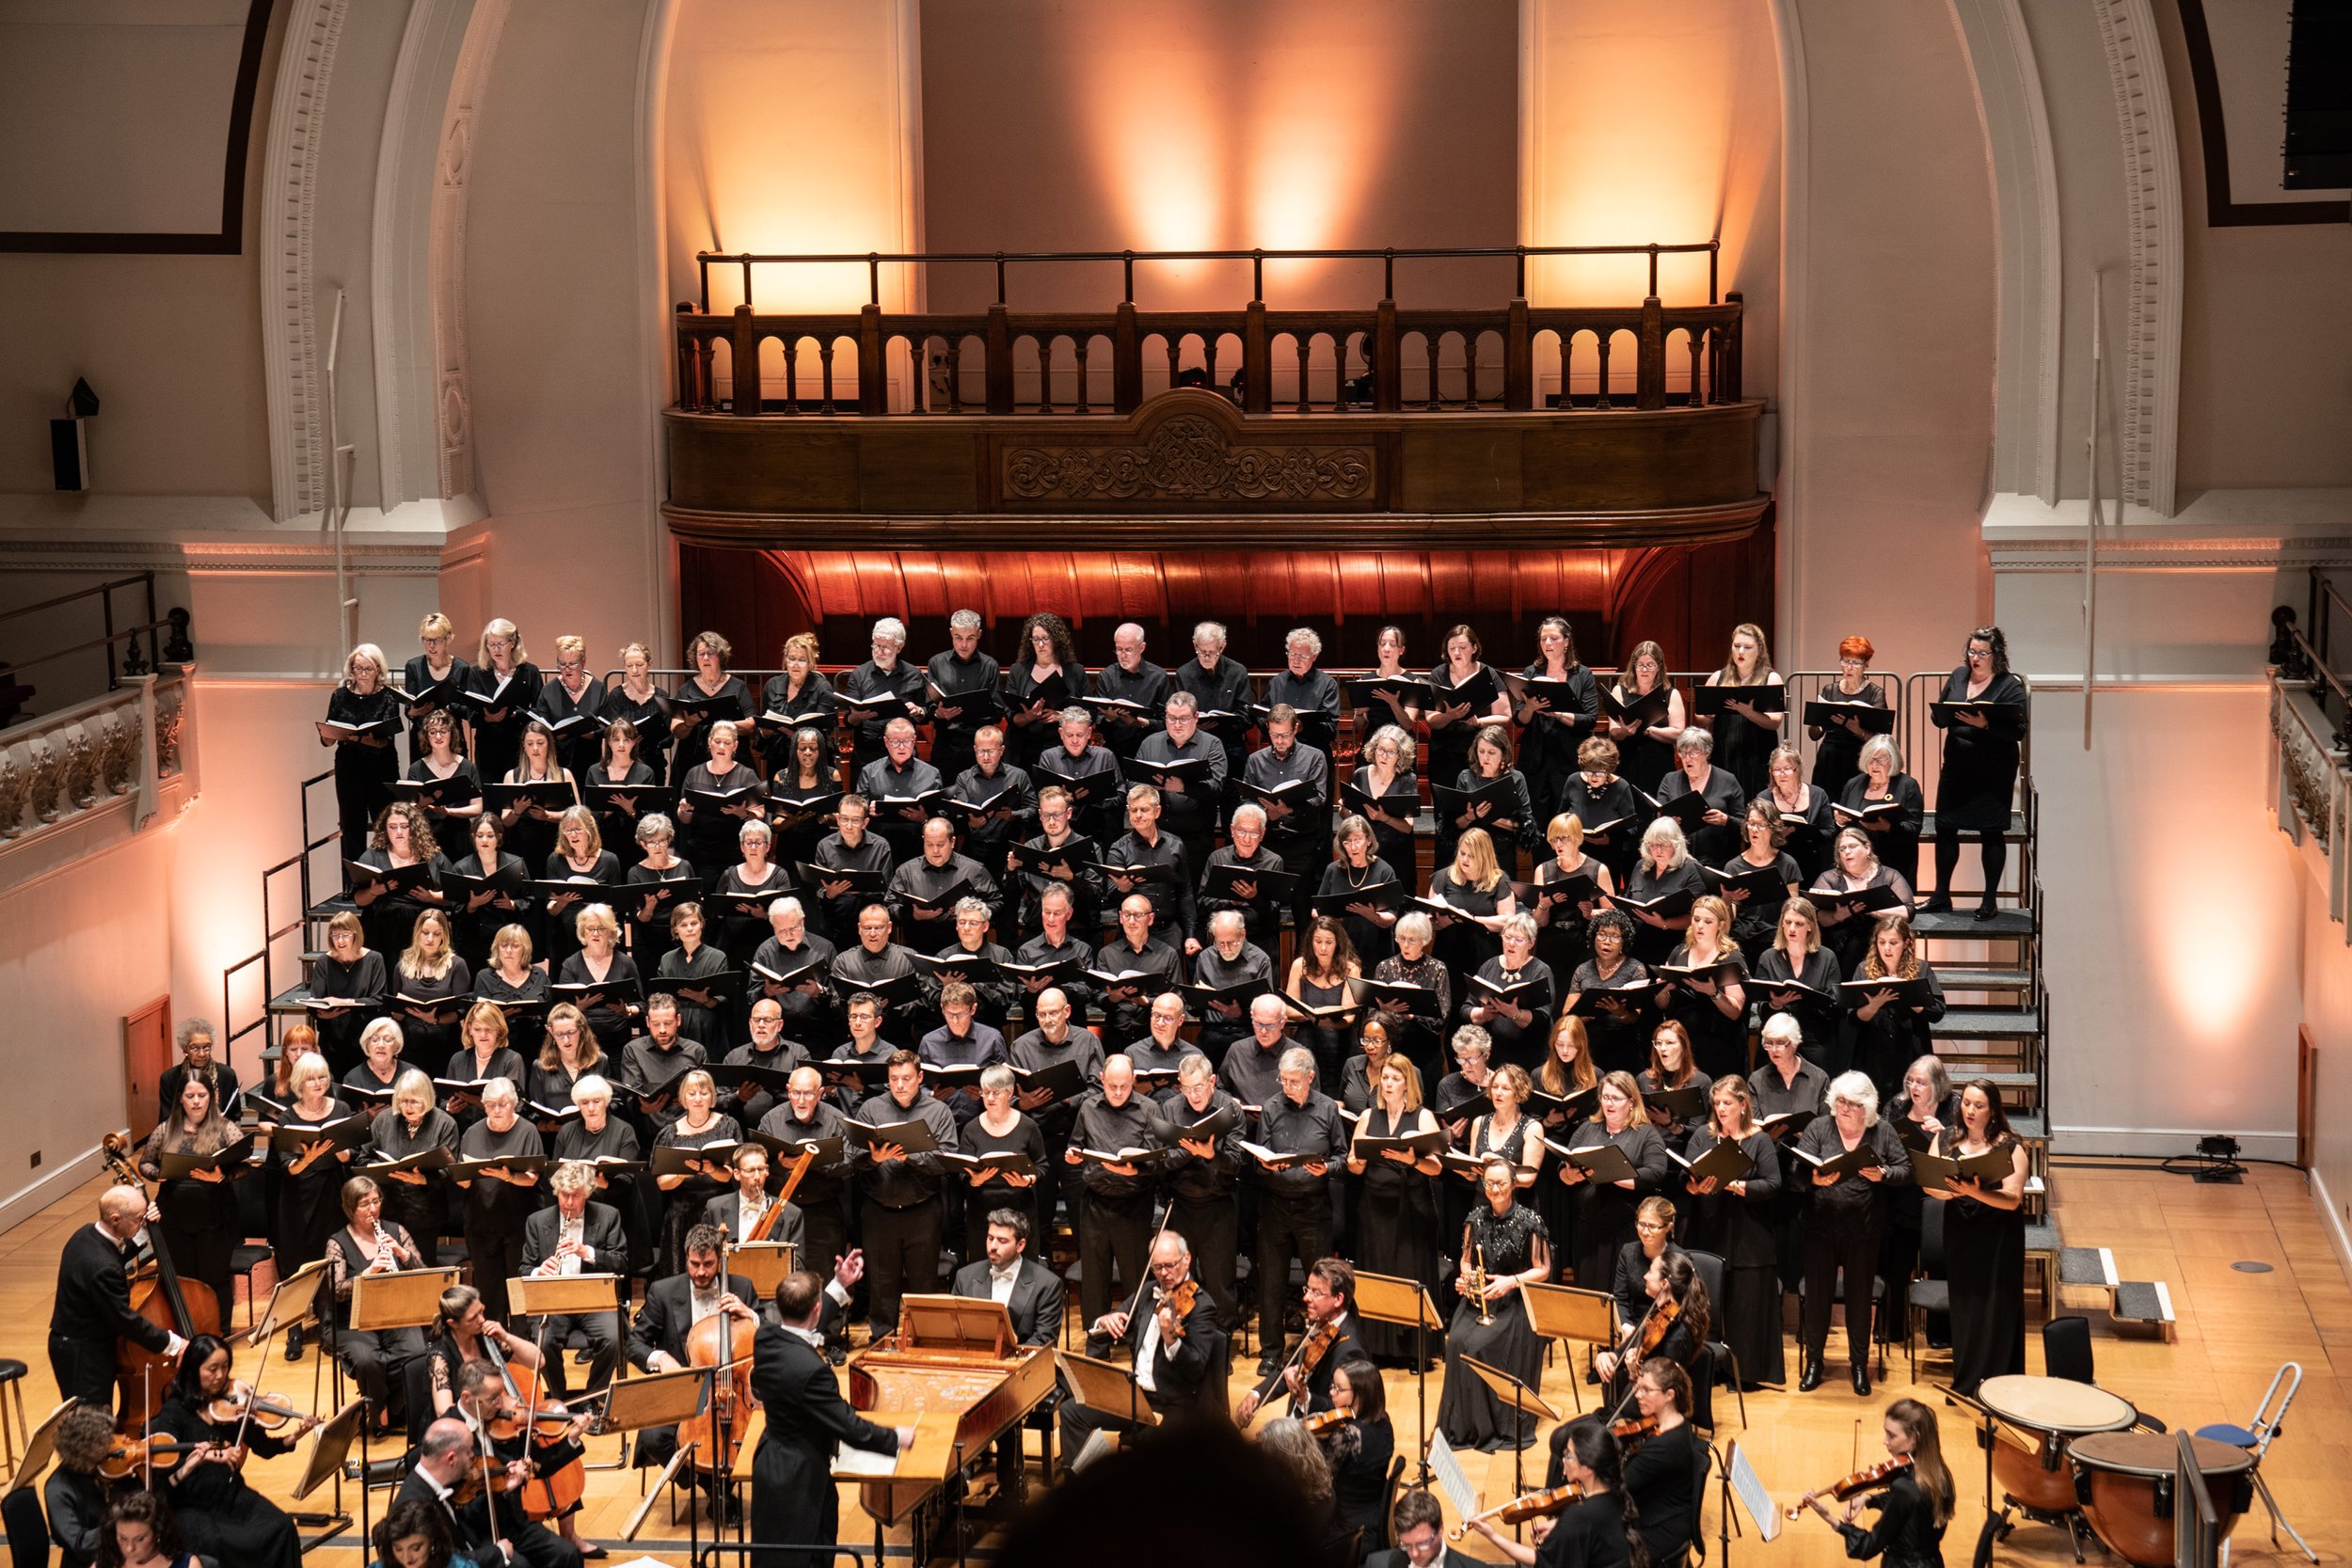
{"points": [[363, 983], [363, 773], [1547, 744], [1719, 1044], [1619, 1041], [1979, 774], [610, 1023], [777, 696], [1397, 1233], [1463, 945], [1895, 839], [1906, 1533], [223, 1518], [1590, 1534], [1662, 1477], [418, 675], [1711, 842], [682, 1205], [499, 711], [474, 929], [1738, 1230], [713, 837], [1744, 747], [1642, 759], [1468, 1413], [1984, 1257], [1755, 917], [616, 822], [1817, 1016], [1512, 826], [694, 747], [1651, 944], [652, 718], [1604, 1221], [308, 1205], [1886, 1045], [1808, 831], [1838, 756], [1448, 749], [201, 1224], [444, 995]]}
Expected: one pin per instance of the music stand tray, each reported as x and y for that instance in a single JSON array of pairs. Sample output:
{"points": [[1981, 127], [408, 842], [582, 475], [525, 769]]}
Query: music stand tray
{"points": [[764, 1264], [1510, 1390], [659, 1398], [1388, 1299], [1566, 1312], [660, 1489], [1102, 1386], [408, 1299], [294, 1300], [331, 1445], [561, 1295], [39, 1449]]}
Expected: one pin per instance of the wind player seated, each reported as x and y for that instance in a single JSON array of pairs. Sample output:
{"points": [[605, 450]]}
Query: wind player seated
{"points": [[575, 1237], [1330, 1298], [1179, 1363], [443, 1460]]}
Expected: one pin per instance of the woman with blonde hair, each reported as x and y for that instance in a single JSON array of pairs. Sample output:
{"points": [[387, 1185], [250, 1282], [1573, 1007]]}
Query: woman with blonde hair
{"points": [[1396, 1211], [1735, 1221], [1572, 888], [573, 706], [1473, 887], [699, 1124], [483, 1053], [1709, 998], [1604, 1222], [579, 858], [411, 1125], [518, 986], [309, 1173], [645, 704], [1885, 803], [1895, 1022], [433, 682], [1745, 733], [433, 981], [1386, 796], [501, 695], [801, 695], [1798, 977], [346, 986], [362, 727], [600, 962]]}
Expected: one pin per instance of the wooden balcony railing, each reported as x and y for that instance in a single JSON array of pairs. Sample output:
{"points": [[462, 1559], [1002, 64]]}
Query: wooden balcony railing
{"points": [[1384, 359]]}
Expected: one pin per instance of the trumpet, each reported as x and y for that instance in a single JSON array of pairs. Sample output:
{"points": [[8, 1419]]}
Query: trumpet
{"points": [[1478, 1283]]}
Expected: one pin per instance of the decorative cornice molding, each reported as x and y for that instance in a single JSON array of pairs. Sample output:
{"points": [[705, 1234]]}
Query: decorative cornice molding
{"points": [[2148, 390], [419, 558], [291, 351], [2119, 552]]}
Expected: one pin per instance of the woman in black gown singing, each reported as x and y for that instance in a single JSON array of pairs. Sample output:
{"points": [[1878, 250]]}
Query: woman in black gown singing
{"points": [[1645, 737], [501, 691], [1604, 1224], [1396, 1215], [1981, 758], [1884, 801], [1745, 734], [1915, 1505], [1734, 1221], [1504, 1240], [367, 762], [1984, 1243], [1837, 746]]}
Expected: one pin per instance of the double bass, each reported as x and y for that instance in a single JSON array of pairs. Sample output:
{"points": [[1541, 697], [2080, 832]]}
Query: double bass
{"points": [[186, 1306]]}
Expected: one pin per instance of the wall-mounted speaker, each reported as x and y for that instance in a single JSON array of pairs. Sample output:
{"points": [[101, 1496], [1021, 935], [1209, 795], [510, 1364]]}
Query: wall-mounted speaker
{"points": [[68, 454]]}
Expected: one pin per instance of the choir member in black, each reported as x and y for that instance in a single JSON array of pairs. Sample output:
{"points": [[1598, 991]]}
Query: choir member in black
{"points": [[1984, 1243], [500, 1198], [596, 1135], [998, 803], [1756, 911], [1044, 682], [1221, 686], [1662, 1475], [1508, 1133], [1790, 1091], [1463, 1095], [1846, 926], [1114, 1226], [1073, 873], [1713, 1006], [438, 761], [1420, 1031], [1887, 1031], [618, 765], [518, 987], [1205, 1173], [1568, 1074], [717, 696], [1520, 1023], [199, 1060], [802, 1117], [1609, 990], [403, 837], [1509, 824], [802, 790], [1088, 771], [653, 1064], [1249, 895], [755, 876], [646, 706], [412, 1124], [1130, 693], [877, 959], [599, 962], [850, 847], [1922, 1106], [811, 1011], [690, 959], [531, 828], [769, 1048], [1357, 868], [433, 682], [1053, 1039], [365, 764], [892, 784], [1473, 887], [1191, 807], [1322, 977], [1384, 791], [1294, 1203], [1230, 961], [1671, 1068], [573, 695], [1503, 1241], [1915, 1507], [1396, 1215], [483, 914], [1454, 724], [1841, 1230], [994, 996], [220, 1512], [803, 696], [370, 1085], [1745, 734], [1838, 752], [710, 831], [1881, 784], [1298, 820], [1645, 749], [1807, 825], [309, 1175], [648, 911], [1612, 814], [1000, 1128], [1307, 689], [432, 984], [1666, 867], [1980, 755], [501, 691], [1797, 957], [1135, 949], [1717, 835], [961, 1041], [368, 1245], [485, 1053], [904, 1215], [1734, 1221], [1604, 1223], [1573, 886], [960, 671], [928, 889], [75, 1497], [1385, 708], [699, 1125], [866, 1047], [201, 1224], [1552, 729]]}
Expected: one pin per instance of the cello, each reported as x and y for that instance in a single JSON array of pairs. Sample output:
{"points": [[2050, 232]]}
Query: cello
{"points": [[186, 1306], [723, 1341]]}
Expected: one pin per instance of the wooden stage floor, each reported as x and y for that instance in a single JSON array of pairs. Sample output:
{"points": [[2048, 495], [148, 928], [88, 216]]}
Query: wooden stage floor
{"points": [[2233, 1330]]}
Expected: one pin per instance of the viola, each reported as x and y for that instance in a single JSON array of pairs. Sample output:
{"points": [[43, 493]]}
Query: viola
{"points": [[559, 1478], [1532, 1505], [1661, 1318], [132, 1456], [1180, 1302], [1866, 1479], [1325, 1421], [241, 1404], [1633, 1429]]}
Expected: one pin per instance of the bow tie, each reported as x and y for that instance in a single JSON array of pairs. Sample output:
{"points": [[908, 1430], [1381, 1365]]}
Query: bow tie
{"points": [[1005, 1275]]}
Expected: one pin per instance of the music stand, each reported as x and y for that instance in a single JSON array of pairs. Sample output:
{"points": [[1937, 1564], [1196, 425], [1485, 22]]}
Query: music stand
{"points": [[1100, 1386], [1383, 1298], [1524, 1401], [293, 1302], [40, 1448], [1566, 1312], [764, 1264], [661, 1487], [1739, 1479], [406, 1298], [331, 1445]]}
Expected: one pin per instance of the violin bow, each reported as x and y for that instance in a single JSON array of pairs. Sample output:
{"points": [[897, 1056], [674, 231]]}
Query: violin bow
{"points": [[1134, 1301], [1632, 1340]]}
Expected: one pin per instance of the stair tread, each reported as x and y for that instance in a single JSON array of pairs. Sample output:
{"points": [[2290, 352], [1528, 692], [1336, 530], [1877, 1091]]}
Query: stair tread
{"points": [[1986, 1023], [2006, 922], [2142, 1301], [1955, 978], [2016, 829], [2090, 1267]]}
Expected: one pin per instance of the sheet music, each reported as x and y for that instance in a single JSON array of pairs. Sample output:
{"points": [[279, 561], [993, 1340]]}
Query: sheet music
{"points": [[1749, 1488], [847, 1461], [1450, 1481]]}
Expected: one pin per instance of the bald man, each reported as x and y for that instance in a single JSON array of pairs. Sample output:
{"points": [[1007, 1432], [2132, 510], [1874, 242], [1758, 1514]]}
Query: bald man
{"points": [[92, 1309]]}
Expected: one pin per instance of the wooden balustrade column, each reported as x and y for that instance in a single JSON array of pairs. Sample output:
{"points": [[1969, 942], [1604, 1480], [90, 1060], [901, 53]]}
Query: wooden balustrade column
{"points": [[873, 369], [1518, 355], [1126, 356], [1649, 380], [746, 353], [1257, 362], [998, 341]]}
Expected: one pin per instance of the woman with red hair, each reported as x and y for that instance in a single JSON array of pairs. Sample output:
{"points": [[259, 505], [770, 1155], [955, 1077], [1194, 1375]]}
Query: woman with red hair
{"points": [[1838, 749]]}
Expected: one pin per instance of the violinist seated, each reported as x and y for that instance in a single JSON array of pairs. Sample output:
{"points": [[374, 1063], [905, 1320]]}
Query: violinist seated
{"points": [[220, 1513], [545, 1438], [575, 1237], [1180, 1352], [91, 1311], [86, 1482], [1330, 1299], [1672, 1328], [1662, 1472], [1359, 1441], [445, 1461]]}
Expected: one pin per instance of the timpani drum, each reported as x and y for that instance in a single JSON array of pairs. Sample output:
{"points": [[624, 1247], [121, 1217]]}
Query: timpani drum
{"points": [[2047, 1411], [2124, 1480]]}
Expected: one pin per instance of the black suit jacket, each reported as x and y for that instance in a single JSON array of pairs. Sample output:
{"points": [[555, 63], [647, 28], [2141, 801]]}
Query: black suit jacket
{"points": [[1393, 1556], [1344, 1349], [667, 1313], [94, 1294], [470, 1525], [727, 1211], [600, 1228], [1037, 1299], [793, 1496], [1190, 1372]]}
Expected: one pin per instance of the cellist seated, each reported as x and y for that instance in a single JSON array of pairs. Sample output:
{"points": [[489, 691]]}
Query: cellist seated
{"points": [[576, 1237], [508, 1429]]}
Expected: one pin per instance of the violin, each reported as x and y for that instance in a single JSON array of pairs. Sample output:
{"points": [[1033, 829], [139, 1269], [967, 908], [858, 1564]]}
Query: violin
{"points": [[1862, 1480], [551, 1423], [1312, 1348], [132, 1456], [1180, 1302], [241, 1404], [1661, 1318], [468, 1487], [1532, 1505], [1324, 1422], [1633, 1429]]}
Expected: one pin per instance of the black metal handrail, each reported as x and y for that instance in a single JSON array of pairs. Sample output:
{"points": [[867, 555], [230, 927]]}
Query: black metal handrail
{"points": [[1258, 257], [2304, 656], [132, 662]]}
